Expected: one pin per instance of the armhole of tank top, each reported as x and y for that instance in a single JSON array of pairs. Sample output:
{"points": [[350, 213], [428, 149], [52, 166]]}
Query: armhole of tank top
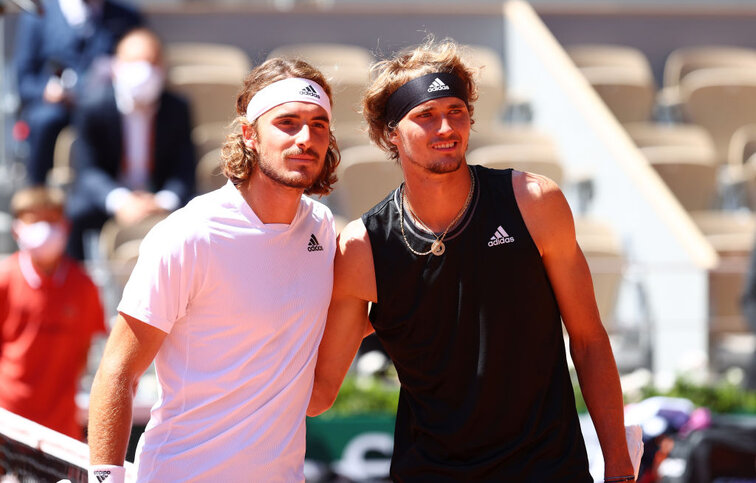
{"points": [[368, 218], [510, 192]]}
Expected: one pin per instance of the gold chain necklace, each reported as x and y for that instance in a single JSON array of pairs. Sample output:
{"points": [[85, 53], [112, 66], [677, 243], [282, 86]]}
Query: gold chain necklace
{"points": [[437, 247]]}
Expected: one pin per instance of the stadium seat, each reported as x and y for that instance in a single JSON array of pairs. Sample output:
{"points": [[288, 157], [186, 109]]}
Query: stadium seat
{"points": [[522, 147], [603, 251], [119, 247], [492, 86], [208, 175], [621, 76], [721, 101], [685, 158], [689, 174], [630, 96], [211, 93], [534, 158], [608, 55], [329, 56], [209, 136], [740, 173], [742, 145], [351, 135], [220, 56], [688, 135], [366, 176], [686, 60], [732, 236], [113, 235], [509, 134]]}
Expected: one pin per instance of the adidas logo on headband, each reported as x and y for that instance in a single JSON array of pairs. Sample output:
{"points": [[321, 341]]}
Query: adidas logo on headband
{"points": [[291, 89], [437, 85], [309, 91]]}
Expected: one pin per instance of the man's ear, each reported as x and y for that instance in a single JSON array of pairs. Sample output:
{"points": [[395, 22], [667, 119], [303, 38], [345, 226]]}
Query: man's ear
{"points": [[250, 136], [393, 136]]}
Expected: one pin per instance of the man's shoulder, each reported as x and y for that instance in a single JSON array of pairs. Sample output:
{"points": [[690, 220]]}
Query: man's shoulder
{"points": [[533, 187], [380, 207], [318, 210], [186, 225], [354, 241]]}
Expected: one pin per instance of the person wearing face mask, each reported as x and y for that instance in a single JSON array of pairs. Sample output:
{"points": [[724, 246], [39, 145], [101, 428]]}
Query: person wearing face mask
{"points": [[49, 311], [134, 157], [54, 53]]}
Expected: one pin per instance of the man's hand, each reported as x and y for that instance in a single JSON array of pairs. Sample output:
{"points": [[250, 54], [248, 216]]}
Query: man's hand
{"points": [[138, 206], [54, 92]]}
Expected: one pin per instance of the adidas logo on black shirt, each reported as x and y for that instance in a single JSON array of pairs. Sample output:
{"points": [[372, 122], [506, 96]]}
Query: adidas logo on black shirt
{"points": [[309, 91], [500, 237], [314, 246]]}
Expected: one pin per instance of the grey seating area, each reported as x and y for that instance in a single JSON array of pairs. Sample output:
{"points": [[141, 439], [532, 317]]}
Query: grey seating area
{"points": [[698, 132], [621, 76]]}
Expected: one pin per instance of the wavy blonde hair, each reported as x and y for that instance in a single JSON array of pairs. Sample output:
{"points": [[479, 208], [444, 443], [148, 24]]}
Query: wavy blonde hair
{"points": [[237, 160], [391, 74]]}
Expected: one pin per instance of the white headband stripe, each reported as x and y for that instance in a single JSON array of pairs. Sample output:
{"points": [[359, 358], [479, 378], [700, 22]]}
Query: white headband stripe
{"points": [[293, 89]]}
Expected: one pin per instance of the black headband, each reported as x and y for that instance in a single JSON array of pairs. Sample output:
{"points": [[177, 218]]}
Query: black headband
{"points": [[421, 89]]}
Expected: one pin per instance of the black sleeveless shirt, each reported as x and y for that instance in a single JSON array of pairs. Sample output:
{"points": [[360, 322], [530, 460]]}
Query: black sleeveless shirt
{"points": [[476, 338]]}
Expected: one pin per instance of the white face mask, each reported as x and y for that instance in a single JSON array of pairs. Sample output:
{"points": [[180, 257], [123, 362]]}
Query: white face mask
{"points": [[139, 81], [42, 240]]}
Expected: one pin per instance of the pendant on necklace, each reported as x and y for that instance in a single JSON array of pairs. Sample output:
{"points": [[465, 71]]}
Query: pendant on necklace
{"points": [[438, 248]]}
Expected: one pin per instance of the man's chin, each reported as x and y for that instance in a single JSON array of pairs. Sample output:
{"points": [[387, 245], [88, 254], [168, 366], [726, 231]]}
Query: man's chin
{"points": [[295, 180], [445, 166]]}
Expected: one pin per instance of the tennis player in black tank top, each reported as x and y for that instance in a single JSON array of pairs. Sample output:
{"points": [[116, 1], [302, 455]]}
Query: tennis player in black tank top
{"points": [[470, 271]]}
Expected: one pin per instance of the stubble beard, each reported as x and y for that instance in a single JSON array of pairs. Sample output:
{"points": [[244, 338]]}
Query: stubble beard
{"points": [[442, 165], [298, 179], [445, 166]]}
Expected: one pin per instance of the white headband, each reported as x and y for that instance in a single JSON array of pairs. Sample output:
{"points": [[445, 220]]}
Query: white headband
{"points": [[293, 89]]}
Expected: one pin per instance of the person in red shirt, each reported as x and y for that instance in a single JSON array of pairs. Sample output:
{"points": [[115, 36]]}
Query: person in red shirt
{"points": [[49, 311]]}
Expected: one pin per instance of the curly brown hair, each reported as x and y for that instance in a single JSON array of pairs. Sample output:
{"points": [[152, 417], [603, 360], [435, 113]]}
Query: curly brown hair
{"points": [[391, 74], [238, 160]]}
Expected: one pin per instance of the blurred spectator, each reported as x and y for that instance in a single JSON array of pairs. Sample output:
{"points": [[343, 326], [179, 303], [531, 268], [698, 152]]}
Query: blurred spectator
{"points": [[748, 303], [49, 311], [134, 156], [53, 53]]}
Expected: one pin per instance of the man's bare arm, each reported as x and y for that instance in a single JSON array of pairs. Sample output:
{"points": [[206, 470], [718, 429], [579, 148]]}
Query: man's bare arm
{"points": [[130, 349], [550, 222], [348, 324]]}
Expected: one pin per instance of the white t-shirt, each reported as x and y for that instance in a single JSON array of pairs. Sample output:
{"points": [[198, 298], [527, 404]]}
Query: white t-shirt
{"points": [[244, 305]]}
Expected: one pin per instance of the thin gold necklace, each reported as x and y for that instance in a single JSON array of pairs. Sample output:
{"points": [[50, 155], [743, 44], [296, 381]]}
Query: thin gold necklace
{"points": [[437, 247]]}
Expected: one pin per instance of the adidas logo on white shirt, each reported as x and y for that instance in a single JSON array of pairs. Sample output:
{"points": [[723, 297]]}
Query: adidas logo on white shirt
{"points": [[309, 91], [314, 246], [437, 85], [102, 475], [500, 237]]}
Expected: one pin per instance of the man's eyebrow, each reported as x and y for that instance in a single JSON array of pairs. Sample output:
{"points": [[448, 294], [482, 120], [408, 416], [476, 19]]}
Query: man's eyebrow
{"points": [[294, 115], [286, 114], [422, 109]]}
